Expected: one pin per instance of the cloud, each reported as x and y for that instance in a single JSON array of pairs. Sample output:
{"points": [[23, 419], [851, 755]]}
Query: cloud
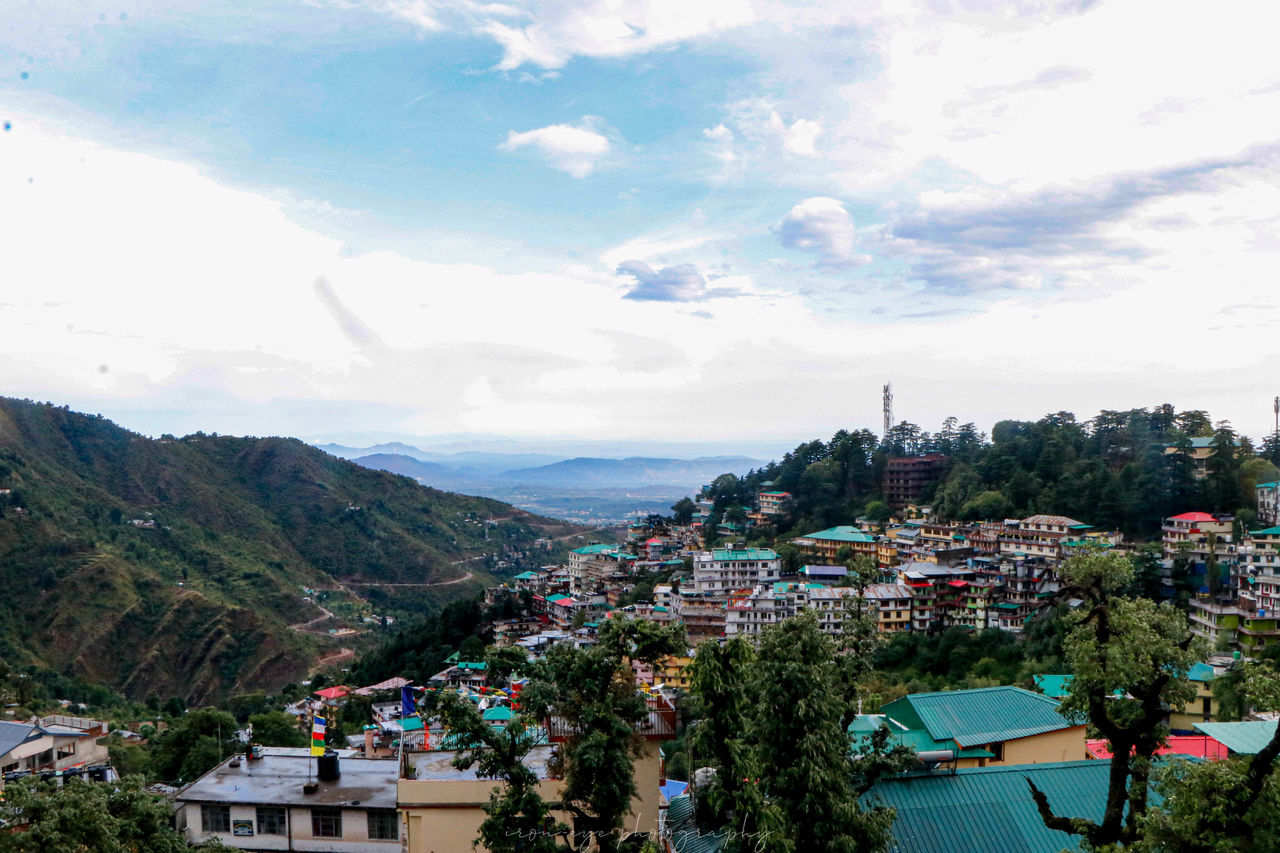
{"points": [[351, 325], [680, 283], [573, 150], [976, 240], [822, 225]]}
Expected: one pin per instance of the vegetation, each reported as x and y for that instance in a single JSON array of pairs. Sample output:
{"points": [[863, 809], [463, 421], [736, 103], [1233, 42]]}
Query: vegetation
{"points": [[175, 566], [83, 816], [1119, 469]]}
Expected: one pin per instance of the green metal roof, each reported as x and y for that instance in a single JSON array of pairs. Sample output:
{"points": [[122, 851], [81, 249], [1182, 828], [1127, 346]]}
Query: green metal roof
{"points": [[842, 533], [989, 809], [744, 554], [1054, 686], [685, 835], [1270, 531], [979, 716], [1201, 672], [1247, 738], [526, 576], [595, 549], [500, 713]]}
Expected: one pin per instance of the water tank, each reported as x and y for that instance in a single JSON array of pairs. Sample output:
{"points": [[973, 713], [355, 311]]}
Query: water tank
{"points": [[327, 767]]}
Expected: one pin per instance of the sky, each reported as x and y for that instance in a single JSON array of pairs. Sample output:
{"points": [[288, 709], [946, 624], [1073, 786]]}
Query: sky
{"points": [[724, 220]]}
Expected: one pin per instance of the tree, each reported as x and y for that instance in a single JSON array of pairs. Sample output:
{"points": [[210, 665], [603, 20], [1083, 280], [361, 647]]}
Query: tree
{"points": [[517, 819], [502, 662], [683, 510], [1230, 806], [1138, 649], [276, 728], [804, 752], [720, 674], [590, 695], [86, 816], [193, 745]]}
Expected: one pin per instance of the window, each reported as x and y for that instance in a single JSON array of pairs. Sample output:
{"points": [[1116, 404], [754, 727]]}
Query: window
{"points": [[384, 824], [997, 751], [271, 820], [326, 823], [215, 818]]}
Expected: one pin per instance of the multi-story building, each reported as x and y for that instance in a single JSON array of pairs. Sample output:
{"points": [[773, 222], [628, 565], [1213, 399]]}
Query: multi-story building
{"points": [[1268, 503], [892, 602], [51, 743], [1041, 536], [826, 544], [720, 570], [906, 477], [594, 567]]}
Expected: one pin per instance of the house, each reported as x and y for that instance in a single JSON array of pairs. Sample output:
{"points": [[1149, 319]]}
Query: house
{"points": [[826, 544], [987, 726], [990, 809], [1203, 708], [287, 800], [51, 743]]}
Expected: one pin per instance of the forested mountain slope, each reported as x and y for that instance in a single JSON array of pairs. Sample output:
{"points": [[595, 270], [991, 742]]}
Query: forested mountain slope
{"points": [[175, 566]]}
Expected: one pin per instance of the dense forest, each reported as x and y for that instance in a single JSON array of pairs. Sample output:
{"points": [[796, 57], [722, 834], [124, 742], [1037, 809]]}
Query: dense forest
{"points": [[1122, 470]]}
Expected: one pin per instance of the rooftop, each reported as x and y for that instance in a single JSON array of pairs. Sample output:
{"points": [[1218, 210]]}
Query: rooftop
{"points": [[1056, 520], [841, 533], [437, 766], [979, 716], [989, 809], [721, 554], [278, 780], [1246, 738], [1192, 516]]}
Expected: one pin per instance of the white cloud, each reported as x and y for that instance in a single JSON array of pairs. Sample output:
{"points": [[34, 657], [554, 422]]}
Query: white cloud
{"points": [[573, 150], [801, 137], [821, 225]]}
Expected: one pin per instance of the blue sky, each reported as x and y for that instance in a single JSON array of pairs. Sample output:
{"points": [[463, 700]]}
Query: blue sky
{"points": [[607, 219]]}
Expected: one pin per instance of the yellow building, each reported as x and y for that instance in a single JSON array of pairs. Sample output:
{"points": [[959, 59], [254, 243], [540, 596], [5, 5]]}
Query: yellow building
{"points": [[442, 806], [1203, 708]]}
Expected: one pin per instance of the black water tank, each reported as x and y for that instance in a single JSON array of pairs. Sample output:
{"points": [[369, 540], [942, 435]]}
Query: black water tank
{"points": [[327, 767]]}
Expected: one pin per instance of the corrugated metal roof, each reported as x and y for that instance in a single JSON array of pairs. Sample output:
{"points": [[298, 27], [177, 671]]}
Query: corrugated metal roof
{"points": [[1054, 686], [983, 715], [989, 809], [841, 533], [1246, 738]]}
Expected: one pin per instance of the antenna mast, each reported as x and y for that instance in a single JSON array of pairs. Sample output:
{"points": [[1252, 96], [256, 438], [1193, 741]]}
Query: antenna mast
{"points": [[888, 409]]}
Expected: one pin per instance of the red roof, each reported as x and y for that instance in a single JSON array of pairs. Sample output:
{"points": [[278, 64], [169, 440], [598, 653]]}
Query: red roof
{"points": [[958, 584], [1193, 516], [332, 692], [1200, 746]]}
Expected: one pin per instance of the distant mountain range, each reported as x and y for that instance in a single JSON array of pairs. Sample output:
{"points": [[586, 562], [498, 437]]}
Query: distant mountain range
{"points": [[582, 473], [586, 489], [176, 566]]}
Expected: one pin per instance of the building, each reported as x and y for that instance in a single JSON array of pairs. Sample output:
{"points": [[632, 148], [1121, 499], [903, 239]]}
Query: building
{"points": [[1268, 503], [1044, 536], [826, 544], [52, 743], [906, 477], [1203, 708], [443, 806], [720, 570], [1248, 737], [287, 800], [986, 726]]}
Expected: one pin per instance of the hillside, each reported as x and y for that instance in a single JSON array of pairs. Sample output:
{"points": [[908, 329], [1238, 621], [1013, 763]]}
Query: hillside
{"points": [[176, 566]]}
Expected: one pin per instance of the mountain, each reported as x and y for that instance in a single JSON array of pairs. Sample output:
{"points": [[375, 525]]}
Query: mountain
{"points": [[588, 472], [177, 566]]}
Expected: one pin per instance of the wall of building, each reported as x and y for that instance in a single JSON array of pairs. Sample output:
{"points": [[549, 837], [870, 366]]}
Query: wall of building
{"points": [[444, 816], [1062, 745], [355, 832]]}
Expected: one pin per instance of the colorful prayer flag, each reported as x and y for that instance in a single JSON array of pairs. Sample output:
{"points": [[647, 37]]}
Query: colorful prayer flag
{"points": [[317, 735]]}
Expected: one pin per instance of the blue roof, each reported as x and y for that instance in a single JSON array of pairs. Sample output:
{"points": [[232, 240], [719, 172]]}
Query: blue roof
{"points": [[1201, 672], [14, 734]]}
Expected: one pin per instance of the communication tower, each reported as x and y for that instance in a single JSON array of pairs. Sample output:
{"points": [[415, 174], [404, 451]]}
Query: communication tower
{"points": [[888, 408]]}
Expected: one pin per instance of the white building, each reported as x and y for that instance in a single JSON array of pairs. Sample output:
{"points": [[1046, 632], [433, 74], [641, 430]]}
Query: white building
{"points": [[721, 570]]}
